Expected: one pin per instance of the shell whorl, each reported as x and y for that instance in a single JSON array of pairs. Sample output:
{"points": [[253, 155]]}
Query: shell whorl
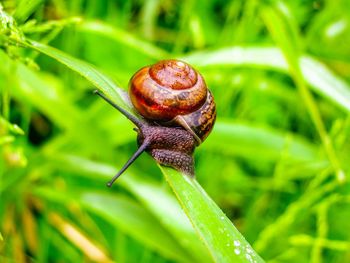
{"points": [[167, 89]]}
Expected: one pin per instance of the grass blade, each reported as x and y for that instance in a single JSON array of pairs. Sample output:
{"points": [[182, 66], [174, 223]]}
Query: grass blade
{"points": [[124, 38], [317, 75], [253, 140], [208, 220], [124, 214], [88, 71], [278, 27], [166, 208], [132, 218]]}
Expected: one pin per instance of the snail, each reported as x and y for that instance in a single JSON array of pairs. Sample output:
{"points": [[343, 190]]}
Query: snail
{"points": [[177, 113]]}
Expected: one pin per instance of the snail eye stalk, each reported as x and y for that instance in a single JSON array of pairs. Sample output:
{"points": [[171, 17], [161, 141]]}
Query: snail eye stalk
{"points": [[132, 118], [140, 150], [139, 124]]}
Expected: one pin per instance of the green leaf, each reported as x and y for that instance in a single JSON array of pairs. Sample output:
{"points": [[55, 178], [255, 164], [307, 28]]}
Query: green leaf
{"points": [[252, 140], [45, 97], [6, 139], [25, 8], [134, 220], [321, 79], [14, 128], [166, 208], [124, 38], [224, 241], [123, 213], [278, 25], [98, 79]]}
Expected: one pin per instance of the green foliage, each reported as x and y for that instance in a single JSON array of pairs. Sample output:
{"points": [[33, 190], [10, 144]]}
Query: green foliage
{"points": [[276, 162]]}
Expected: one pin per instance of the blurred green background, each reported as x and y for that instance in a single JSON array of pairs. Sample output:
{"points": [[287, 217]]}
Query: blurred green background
{"points": [[277, 161]]}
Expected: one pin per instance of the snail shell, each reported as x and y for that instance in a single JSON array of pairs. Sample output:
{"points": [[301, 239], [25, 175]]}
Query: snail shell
{"points": [[171, 92]]}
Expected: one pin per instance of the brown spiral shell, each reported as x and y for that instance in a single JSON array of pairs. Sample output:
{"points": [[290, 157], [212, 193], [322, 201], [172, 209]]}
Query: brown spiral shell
{"points": [[171, 91]]}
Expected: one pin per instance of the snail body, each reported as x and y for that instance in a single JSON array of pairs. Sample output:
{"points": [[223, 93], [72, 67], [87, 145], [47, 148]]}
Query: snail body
{"points": [[178, 113], [169, 146]]}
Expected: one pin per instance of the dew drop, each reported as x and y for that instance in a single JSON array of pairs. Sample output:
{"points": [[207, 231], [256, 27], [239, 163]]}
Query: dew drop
{"points": [[237, 251], [249, 257], [249, 250]]}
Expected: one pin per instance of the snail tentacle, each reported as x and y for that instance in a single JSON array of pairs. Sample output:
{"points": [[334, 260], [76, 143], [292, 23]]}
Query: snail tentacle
{"points": [[132, 118], [138, 152]]}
